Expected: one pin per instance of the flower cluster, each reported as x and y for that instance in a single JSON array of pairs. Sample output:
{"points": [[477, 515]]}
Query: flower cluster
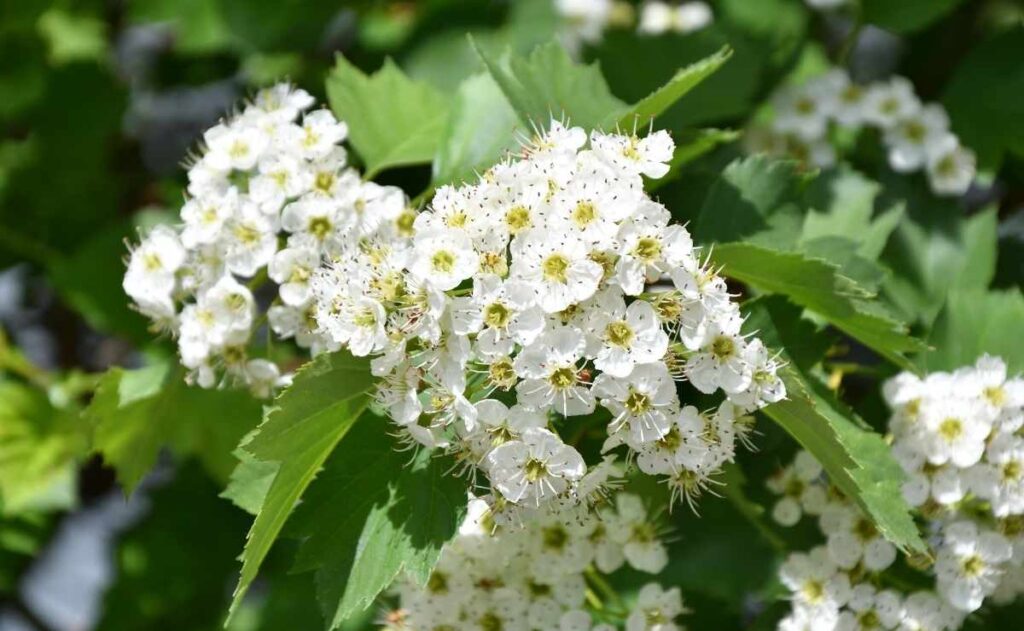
{"points": [[956, 435], [550, 287], [958, 438], [270, 195], [916, 135], [537, 576], [585, 21]]}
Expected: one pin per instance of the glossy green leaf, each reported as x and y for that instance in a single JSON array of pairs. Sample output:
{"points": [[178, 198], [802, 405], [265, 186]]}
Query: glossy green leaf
{"points": [[549, 84], [392, 120], [136, 413], [298, 433], [974, 322], [756, 199], [817, 285], [481, 128], [641, 113], [371, 515]]}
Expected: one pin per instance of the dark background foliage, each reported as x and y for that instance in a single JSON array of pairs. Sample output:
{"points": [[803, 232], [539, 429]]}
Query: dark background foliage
{"points": [[101, 101]]}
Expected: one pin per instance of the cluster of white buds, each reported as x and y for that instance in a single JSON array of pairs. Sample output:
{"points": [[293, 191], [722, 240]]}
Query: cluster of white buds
{"points": [[916, 135], [957, 437], [269, 197], [537, 576], [585, 21], [520, 304]]}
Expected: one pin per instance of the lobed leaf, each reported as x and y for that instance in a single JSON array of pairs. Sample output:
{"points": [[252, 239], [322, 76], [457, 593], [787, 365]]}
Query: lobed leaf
{"points": [[371, 515], [135, 413], [817, 285], [481, 128], [392, 120], [549, 84], [298, 433]]}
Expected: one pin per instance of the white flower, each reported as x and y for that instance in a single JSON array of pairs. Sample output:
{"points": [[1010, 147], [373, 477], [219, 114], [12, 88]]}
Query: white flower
{"points": [[633, 155], [802, 111], [765, 385], [803, 619], [969, 564], [444, 258], [627, 335], [643, 402], [692, 16], [924, 611], [870, 610], [1000, 478], [632, 528], [951, 166], [205, 216], [292, 269], [656, 609], [953, 430], [150, 279], [500, 313], [250, 240], [552, 378], [722, 361], [556, 267], [318, 135], [800, 490], [889, 102], [815, 581], [910, 140], [650, 248], [586, 19], [853, 538], [280, 178], [234, 146], [535, 468]]}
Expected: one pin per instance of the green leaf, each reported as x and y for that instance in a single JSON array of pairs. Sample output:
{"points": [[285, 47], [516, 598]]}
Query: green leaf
{"points": [[857, 460], [906, 16], [371, 515], [654, 104], [299, 433], [481, 128], [135, 413], [817, 285], [392, 120], [549, 84], [756, 199], [985, 98], [974, 322], [936, 251], [250, 481], [842, 204], [39, 449]]}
